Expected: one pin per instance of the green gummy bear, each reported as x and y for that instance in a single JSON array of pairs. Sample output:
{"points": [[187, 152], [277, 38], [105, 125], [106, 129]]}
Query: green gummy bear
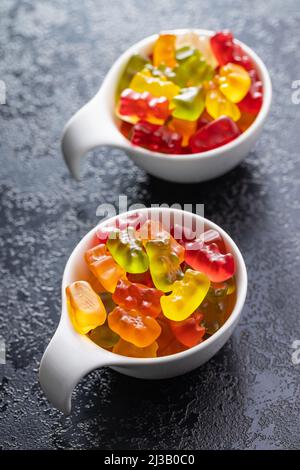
{"points": [[134, 65], [189, 104], [192, 68], [128, 251], [164, 265], [104, 337]]}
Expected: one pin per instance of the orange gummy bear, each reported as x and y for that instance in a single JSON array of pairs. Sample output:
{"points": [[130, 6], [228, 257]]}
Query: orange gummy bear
{"points": [[164, 50], [85, 307], [128, 349], [104, 267], [133, 327]]}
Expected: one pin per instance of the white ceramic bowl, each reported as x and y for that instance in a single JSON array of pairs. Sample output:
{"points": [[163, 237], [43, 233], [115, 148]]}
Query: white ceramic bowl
{"points": [[70, 356], [96, 124]]}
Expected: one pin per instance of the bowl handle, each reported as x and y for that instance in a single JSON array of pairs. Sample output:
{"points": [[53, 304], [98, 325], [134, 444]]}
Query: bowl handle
{"points": [[90, 127], [68, 357]]}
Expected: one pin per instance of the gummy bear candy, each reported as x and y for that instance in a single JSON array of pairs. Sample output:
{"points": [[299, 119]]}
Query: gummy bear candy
{"points": [[208, 259], [167, 342], [164, 264], [128, 251], [185, 128], [85, 307], [213, 135], [245, 121], [187, 294], [219, 290], [253, 100], [227, 50], [157, 86], [103, 266], [153, 230], [201, 43], [156, 138], [218, 105], [189, 104], [134, 327], [192, 69], [136, 296], [134, 106], [134, 65], [104, 337], [130, 350], [164, 50], [141, 278], [190, 331], [135, 220], [234, 82]]}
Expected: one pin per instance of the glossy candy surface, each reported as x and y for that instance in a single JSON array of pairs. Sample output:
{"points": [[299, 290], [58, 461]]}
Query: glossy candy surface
{"points": [[189, 332], [135, 106], [103, 266], [156, 138], [157, 86], [85, 307], [164, 50], [234, 82], [185, 83], [134, 327], [136, 296], [218, 105], [130, 350], [185, 293], [134, 65], [189, 104], [214, 134], [127, 250], [208, 259]]}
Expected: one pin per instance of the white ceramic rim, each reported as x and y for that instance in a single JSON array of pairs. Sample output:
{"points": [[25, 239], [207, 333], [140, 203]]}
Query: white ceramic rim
{"points": [[241, 292], [260, 118]]}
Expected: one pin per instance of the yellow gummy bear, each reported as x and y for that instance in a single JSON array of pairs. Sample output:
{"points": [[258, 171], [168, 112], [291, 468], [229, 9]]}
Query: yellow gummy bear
{"points": [[234, 82], [187, 294], [85, 307], [157, 86], [218, 105]]}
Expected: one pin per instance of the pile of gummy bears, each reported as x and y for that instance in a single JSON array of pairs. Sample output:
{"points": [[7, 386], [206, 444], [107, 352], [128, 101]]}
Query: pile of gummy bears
{"points": [[150, 294], [192, 94]]}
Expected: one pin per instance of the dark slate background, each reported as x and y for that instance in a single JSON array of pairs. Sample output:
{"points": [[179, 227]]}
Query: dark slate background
{"points": [[53, 57]]}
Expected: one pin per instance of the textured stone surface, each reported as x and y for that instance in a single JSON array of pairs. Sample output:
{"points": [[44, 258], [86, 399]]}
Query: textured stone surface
{"points": [[53, 57]]}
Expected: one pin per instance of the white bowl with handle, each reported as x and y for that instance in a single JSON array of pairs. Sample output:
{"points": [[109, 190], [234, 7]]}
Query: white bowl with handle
{"points": [[96, 124], [70, 355]]}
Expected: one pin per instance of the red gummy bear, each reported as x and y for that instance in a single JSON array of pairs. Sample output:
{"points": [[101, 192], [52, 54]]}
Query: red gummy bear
{"points": [[141, 278], [189, 332], [143, 105], [186, 235], [207, 259], [227, 50], [213, 135], [156, 137], [253, 100], [138, 297]]}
